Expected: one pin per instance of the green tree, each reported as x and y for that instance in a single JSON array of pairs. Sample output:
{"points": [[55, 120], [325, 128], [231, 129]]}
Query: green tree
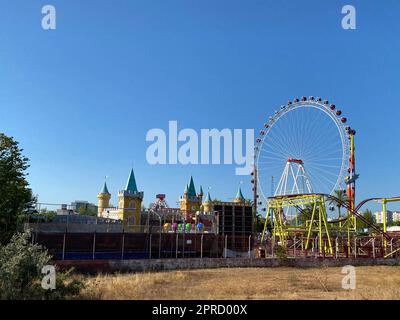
{"points": [[341, 200], [306, 214], [368, 215], [82, 210], [87, 209], [15, 195], [48, 214], [260, 223]]}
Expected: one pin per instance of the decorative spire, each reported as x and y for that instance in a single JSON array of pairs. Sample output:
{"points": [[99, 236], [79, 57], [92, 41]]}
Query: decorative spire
{"points": [[186, 189], [201, 191], [104, 190], [131, 184], [239, 194], [208, 198], [191, 188]]}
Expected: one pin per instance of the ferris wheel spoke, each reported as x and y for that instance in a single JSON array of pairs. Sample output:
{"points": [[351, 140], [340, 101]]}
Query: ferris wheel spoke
{"points": [[275, 152], [313, 127], [279, 148], [322, 145], [321, 141], [323, 165], [286, 137], [279, 137], [321, 153], [323, 148], [328, 159], [325, 183], [324, 171], [268, 160]]}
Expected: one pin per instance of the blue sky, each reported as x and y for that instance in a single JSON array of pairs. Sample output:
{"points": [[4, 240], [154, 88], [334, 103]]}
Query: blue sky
{"points": [[81, 98]]}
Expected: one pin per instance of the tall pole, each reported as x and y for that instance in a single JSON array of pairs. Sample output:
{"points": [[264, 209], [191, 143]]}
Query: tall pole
{"points": [[350, 193], [254, 199], [201, 247], [63, 249], [351, 184], [384, 220], [353, 157], [94, 246], [123, 246], [320, 229], [176, 245], [150, 246], [384, 215]]}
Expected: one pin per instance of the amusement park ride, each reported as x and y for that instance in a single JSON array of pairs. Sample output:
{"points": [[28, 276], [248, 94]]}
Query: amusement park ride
{"points": [[310, 140]]}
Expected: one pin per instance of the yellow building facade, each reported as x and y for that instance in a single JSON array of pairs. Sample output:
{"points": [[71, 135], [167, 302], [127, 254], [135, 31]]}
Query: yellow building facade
{"points": [[129, 204], [191, 202]]}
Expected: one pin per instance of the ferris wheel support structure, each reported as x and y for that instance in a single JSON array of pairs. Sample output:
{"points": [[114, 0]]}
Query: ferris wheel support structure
{"points": [[295, 175]]}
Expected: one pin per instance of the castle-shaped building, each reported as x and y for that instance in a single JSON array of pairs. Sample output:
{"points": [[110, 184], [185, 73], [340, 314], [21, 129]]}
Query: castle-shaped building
{"points": [[129, 204], [129, 207], [208, 203], [192, 203]]}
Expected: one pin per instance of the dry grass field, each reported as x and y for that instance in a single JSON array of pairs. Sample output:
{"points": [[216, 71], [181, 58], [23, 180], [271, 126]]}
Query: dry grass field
{"points": [[377, 282]]}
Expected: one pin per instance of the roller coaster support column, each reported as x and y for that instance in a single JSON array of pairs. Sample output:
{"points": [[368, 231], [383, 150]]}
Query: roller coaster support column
{"points": [[351, 190], [384, 201], [384, 218], [269, 215], [316, 228], [384, 215]]}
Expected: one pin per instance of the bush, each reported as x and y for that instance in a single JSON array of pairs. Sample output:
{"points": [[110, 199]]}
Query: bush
{"points": [[21, 275], [282, 255]]}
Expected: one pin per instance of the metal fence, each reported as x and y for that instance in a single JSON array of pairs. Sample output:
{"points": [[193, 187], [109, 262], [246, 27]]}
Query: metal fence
{"points": [[91, 246], [356, 247]]}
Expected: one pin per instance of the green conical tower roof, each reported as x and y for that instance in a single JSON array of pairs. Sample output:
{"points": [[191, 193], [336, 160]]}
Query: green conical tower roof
{"points": [[208, 198], [201, 190], [191, 188], [131, 184], [104, 190], [186, 189], [239, 194]]}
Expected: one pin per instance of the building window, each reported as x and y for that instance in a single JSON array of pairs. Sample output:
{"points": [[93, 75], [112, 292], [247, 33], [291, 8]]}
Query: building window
{"points": [[131, 221]]}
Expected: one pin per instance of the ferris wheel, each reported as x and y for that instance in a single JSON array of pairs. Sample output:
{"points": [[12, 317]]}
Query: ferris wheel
{"points": [[303, 148]]}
